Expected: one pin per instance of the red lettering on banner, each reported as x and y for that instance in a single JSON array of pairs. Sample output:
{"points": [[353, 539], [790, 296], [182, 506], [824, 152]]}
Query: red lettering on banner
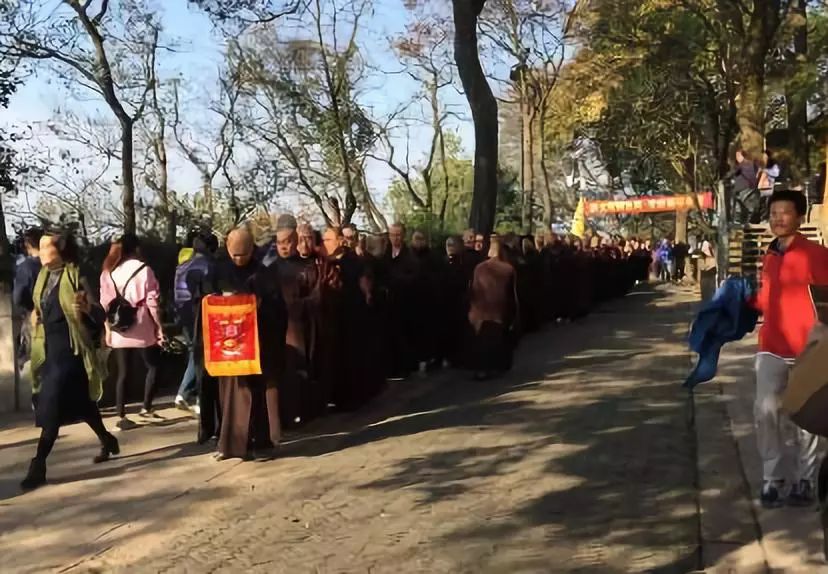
{"points": [[651, 204]]}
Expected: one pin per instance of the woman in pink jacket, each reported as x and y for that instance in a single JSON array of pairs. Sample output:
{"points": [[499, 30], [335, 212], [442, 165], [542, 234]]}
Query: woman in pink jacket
{"points": [[127, 282]]}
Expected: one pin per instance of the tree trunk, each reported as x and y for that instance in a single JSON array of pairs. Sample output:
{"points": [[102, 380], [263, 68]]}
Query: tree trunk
{"points": [[11, 393], [446, 185], [375, 218], [547, 188], [207, 192], [823, 211], [128, 181], [797, 99], [681, 226], [484, 114], [172, 226], [751, 115], [164, 188], [764, 21], [527, 171]]}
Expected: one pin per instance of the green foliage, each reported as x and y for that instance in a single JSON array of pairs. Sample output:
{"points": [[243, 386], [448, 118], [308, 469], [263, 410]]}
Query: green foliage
{"points": [[456, 198], [8, 85], [660, 85]]}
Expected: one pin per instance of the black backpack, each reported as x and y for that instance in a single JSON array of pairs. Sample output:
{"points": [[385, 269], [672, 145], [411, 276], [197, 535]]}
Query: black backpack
{"points": [[120, 313]]}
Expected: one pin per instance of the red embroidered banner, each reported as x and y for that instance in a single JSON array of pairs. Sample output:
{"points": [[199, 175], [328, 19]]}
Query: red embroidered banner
{"points": [[231, 335], [648, 204]]}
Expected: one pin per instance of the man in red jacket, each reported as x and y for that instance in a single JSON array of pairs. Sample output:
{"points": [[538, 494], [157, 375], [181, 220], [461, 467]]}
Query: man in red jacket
{"points": [[791, 265]]}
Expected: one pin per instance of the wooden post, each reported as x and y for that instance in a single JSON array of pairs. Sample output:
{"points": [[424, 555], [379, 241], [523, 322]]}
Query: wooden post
{"points": [[723, 243], [823, 210], [825, 182], [10, 392]]}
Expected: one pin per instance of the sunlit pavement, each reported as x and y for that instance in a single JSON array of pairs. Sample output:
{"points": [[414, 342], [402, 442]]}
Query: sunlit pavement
{"points": [[583, 459]]}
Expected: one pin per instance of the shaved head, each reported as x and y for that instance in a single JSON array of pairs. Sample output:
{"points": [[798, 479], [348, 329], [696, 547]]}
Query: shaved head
{"points": [[495, 247], [375, 245], [306, 239], [419, 240], [468, 238], [286, 221], [350, 235], [396, 235], [453, 245], [286, 241], [240, 246], [332, 239]]}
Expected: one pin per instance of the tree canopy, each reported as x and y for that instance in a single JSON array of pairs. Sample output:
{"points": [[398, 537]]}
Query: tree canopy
{"points": [[487, 113]]}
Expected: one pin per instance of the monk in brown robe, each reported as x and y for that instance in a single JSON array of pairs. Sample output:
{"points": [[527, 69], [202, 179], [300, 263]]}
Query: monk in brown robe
{"points": [[492, 313], [298, 400], [312, 262], [326, 353], [250, 424]]}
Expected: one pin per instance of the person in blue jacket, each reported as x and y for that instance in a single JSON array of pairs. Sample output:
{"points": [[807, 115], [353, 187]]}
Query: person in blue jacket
{"points": [[727, 317], [24, 280]]}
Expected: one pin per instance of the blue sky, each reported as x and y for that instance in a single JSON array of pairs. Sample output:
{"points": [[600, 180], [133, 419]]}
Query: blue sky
{"points": [[198, 56]]}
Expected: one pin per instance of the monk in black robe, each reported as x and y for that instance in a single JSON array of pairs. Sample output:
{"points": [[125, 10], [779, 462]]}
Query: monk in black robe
{"points": [[455, 280], [530, 281], [401, 269], [472, 257], [362, 314], [423, 301], [250, 423], [582, 279], [492, 314]]}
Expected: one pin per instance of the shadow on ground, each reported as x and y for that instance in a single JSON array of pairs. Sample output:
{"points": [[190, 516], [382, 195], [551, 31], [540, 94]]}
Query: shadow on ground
{"points": [[612, 396], [594, 410]]}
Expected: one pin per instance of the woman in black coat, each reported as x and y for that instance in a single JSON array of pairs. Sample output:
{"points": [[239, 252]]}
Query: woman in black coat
{"points": [[67, 376]]}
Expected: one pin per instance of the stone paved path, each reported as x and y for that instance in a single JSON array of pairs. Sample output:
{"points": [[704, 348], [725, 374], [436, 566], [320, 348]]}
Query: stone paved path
{"points": [[739, 535], [581, 460]]}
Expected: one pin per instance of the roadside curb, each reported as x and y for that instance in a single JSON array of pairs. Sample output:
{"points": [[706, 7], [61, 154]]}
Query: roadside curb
{"points": [[731, 537]]}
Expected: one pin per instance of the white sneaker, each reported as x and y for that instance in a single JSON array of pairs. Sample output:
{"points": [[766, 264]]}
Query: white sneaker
{"points": [[181, 404], [149, 414], [196, 408]]}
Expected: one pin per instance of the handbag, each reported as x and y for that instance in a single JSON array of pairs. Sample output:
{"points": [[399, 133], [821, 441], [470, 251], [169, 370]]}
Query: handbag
{"points": [[805, 399]]}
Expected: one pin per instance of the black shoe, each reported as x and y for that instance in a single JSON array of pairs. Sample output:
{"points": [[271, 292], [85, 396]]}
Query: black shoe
{"points": [[36, 477], [770, 496], [802, 494], [268, 453], [109, 447]]}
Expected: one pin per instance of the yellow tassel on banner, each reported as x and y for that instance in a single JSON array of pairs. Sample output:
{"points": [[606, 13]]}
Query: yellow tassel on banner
{"points": [[578, 220]]}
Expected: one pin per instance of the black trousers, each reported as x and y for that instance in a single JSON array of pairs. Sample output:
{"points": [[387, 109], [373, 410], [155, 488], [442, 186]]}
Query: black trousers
{"points": [[151, 356], [48, 435]]}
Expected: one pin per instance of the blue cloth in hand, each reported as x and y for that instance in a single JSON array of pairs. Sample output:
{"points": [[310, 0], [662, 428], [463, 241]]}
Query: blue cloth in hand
{"points": [[725, 318]]}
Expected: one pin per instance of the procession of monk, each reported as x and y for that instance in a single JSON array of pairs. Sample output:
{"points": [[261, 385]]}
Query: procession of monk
{"points": [[306, 324], [337, 319]]}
